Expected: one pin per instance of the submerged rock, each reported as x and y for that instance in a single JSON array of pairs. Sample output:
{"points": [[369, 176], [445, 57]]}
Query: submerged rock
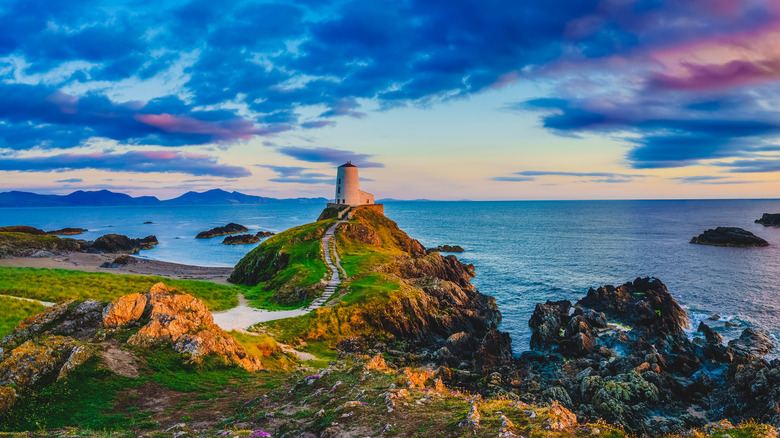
{"points": [[231, 228], [769, 219], [729, 236], [241, 239]]}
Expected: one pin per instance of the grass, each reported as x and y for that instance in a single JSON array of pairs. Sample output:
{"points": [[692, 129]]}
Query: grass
{"points": [[11, 242], [286, 269], [264, 347], [12, 311], [61, 284]]}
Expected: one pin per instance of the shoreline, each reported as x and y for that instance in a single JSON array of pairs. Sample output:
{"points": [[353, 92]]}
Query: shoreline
{"points": [[88, 262]]}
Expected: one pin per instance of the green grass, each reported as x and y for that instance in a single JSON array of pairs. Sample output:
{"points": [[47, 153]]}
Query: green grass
{"points": [[83, 399], [59, 284], [283, 266], [12, 311], [372, 286]]}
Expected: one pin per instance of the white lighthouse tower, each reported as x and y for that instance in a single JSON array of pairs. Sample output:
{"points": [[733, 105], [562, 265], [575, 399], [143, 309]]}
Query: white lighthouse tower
{"points": [[348, 187]]}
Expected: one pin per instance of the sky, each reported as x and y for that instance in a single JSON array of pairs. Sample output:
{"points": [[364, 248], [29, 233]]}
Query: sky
{"points": [[455, 99]]}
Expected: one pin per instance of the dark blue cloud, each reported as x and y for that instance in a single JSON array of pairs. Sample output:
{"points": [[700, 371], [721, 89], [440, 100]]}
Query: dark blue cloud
{"points": [[328, 155], [581, 174], [753, 166], [70, 180], [136, 162], [512, 178]]}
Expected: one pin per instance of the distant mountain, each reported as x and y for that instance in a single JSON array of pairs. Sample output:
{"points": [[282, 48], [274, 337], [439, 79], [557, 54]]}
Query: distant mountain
{"points": [[108, 198]]}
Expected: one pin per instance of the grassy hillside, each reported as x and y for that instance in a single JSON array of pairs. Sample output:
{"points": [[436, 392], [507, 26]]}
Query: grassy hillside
{"points": [[59, 285], [12, 311], [287, 269]]}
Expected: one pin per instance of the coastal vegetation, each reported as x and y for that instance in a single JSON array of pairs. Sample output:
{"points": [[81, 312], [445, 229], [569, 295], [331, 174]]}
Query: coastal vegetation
{"points": [[15, 310], [287, 267], [55, 285]]}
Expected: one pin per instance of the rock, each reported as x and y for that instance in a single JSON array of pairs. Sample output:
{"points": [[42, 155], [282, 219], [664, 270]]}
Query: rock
{"points": [[35, 324], [729, 236], [472, 417], [77, 357], [559, 418], [263, 234], [494, 353], [547, 324], [506, 428], [241, 239], [446, 248], [231, 228], [376, 363], [120, 261], [22, 229], [462, 344], [184, 321], [148, 222], [754, 342], [7, 398], [769, 219], [68, 231], [124, 310], [351, 344], [645, 304], [119, 243], [26, 365], [712, 337]]}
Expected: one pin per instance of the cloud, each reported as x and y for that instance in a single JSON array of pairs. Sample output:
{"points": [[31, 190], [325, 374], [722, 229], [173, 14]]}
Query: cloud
{"points": [[140, 162], [336, 157], [698, 178], [70, 180], [317, 124], [594, 174], [753, 166], [512, 178], [293, 174]]}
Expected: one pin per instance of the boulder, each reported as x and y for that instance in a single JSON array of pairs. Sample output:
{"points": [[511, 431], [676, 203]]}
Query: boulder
{"points": [[547, 323], [241, 239], [119, 243], [462, 344], [120, 261], [753, 342], [184, 321], [26, 365], [729, 236], [559, 418], [494, 353], [769, 220], [711, 336], [231, 228], [124, 310]]}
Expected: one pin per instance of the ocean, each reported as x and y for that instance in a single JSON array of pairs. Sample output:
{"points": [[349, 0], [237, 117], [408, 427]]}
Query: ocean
{"points": [[524, 252]]}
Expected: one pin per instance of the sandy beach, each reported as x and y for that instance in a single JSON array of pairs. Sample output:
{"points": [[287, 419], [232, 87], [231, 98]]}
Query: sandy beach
{"points": [[91, 263]]}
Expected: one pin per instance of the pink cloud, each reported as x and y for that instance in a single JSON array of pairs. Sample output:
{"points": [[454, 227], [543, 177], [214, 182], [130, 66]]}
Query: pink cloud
{"points": [[235, 129], [712, 76]]}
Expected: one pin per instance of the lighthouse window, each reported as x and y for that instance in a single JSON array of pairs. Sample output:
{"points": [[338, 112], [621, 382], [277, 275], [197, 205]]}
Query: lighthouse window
{"points": [[338, 190], [339, 181]]}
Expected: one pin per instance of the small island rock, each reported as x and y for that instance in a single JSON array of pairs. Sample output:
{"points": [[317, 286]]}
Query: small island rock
{"points": [[119, 243], [67, 231], [729, 236], [769, 220], [446, 248], [262, 234], [241, 239], [231, 228]]}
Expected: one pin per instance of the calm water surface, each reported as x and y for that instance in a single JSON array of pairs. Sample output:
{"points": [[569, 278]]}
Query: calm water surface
{"points": [[524, 252]]}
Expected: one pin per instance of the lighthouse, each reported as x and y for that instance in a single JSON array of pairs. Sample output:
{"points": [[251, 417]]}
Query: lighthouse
{"points": [[348, 187]]}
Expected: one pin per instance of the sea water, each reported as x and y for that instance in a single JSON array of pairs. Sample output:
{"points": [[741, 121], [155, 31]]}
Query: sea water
{"points": [[524, 252]]}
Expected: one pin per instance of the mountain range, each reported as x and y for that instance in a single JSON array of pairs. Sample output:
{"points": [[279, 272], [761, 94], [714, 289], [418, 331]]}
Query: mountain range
{"points": [[109, 198]]}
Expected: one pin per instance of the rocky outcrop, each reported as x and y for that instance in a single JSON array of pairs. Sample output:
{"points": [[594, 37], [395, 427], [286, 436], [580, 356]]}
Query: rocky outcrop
{"points": [[68, 231], [22, 229], [231, 228], [621, 354], [729, 236], [264, 234], [447, 248], [769, 220], [241, 239], [53, 344], [119, 243], [121, 261]]}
